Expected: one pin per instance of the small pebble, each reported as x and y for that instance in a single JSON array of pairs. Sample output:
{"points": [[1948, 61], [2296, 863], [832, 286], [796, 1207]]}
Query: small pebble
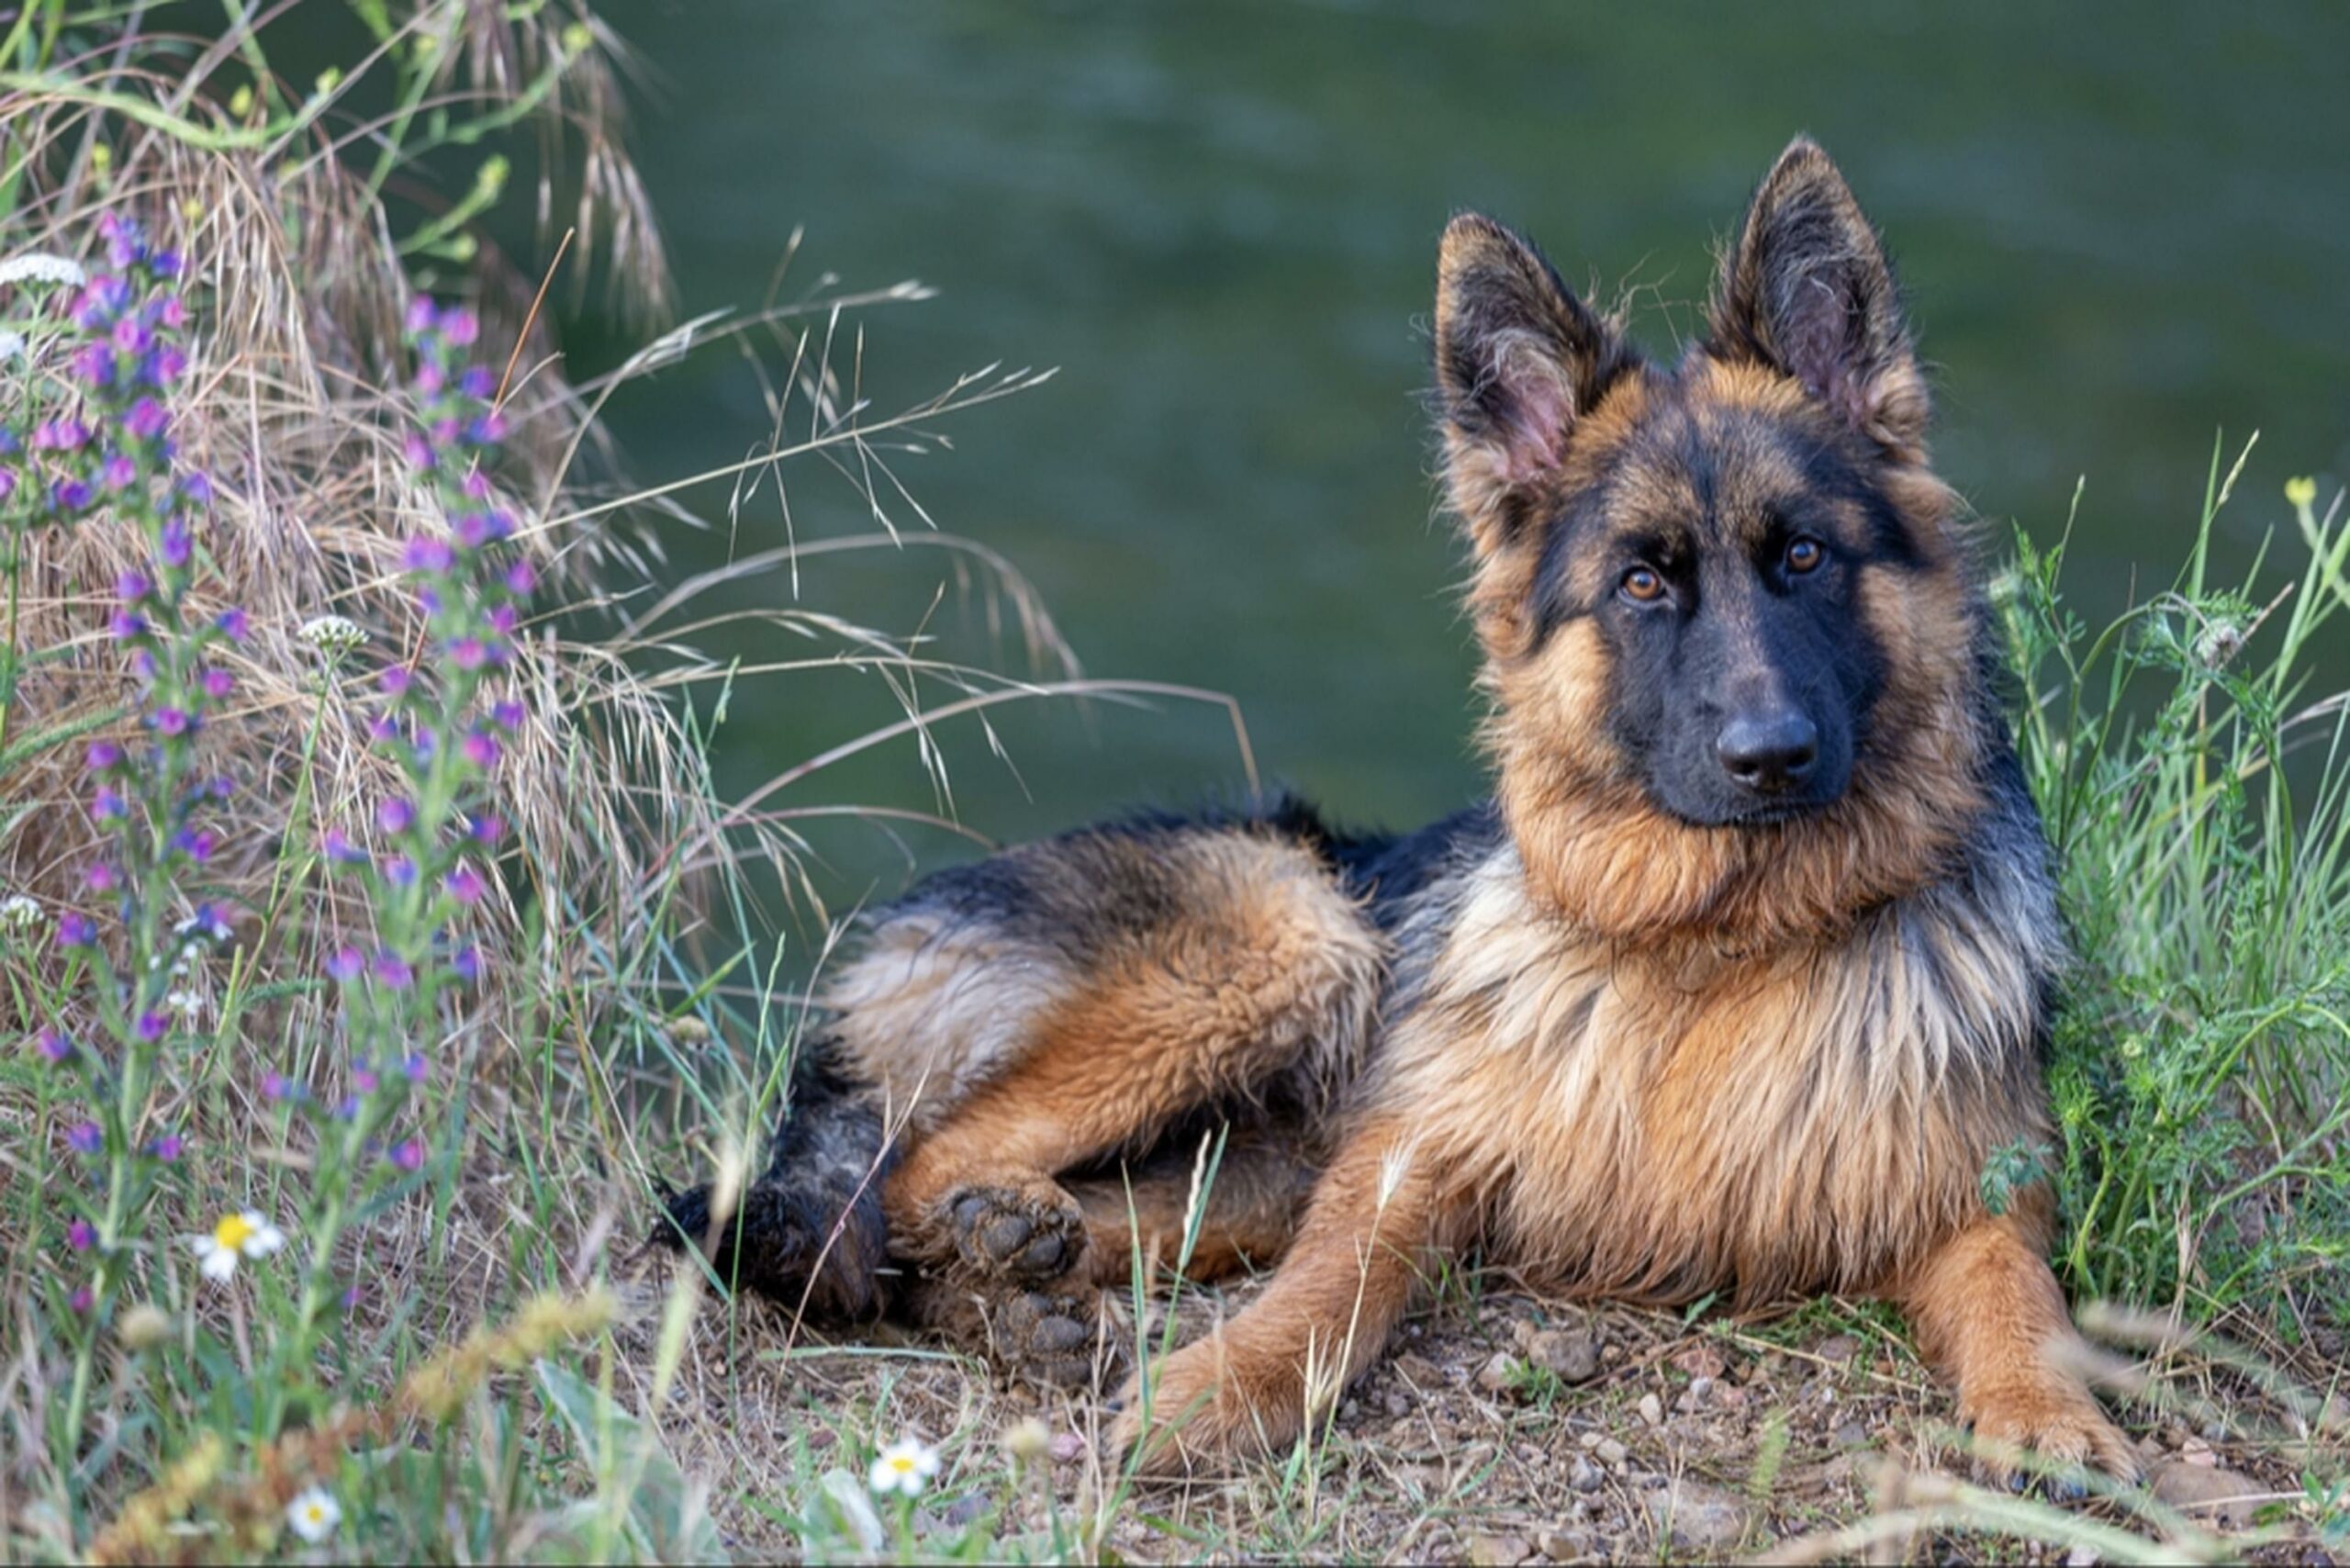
{"points": [[1652, 1409]]}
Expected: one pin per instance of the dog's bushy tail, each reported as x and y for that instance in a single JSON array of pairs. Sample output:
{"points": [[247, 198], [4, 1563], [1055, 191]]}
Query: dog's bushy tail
{"points": [[809, 1232]]}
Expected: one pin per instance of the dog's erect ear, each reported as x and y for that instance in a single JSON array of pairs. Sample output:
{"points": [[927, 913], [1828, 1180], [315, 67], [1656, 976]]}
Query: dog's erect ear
{"points": [[1808, 291], [1519, 360]]}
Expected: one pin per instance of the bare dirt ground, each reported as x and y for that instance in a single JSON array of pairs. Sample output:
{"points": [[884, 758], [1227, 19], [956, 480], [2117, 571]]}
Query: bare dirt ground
{"points": [[1503, 1429]]}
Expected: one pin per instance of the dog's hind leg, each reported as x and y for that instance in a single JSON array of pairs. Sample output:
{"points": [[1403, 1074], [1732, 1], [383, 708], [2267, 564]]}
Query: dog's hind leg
{"points": [[1212, 1217], [1179, 969]]}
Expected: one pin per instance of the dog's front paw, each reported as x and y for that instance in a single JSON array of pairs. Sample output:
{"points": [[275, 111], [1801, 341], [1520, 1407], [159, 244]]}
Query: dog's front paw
{"points": [[1207, 1409], [2045, 1422]]}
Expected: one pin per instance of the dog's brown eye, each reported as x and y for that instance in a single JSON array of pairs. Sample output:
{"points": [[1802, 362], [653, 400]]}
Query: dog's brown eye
{"points": [[1804, 556], [1644, 584]]}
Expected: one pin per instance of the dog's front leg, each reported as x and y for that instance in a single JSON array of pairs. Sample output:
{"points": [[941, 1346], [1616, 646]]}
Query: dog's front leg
{"points": [[1249, 1386], [1990, 1316]]}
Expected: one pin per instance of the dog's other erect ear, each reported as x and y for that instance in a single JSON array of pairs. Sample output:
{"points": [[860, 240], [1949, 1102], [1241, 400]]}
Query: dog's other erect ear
{"points": [[1519, 360], [1808, 291]]}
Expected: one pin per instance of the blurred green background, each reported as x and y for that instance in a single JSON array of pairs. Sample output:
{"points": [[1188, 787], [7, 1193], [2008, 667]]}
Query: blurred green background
{"points": [[2124, 231]]}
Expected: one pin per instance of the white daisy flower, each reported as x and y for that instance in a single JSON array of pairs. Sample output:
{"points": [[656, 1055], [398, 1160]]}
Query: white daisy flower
{"points": [[186, 1004], [333, 633], [19, 911], [313, 1515], [905, 1467], [237, 1237], [41, 267]]}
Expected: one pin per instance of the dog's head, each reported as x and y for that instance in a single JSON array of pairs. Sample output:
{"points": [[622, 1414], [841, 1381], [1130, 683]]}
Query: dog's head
{"points": [[1730, 624]]}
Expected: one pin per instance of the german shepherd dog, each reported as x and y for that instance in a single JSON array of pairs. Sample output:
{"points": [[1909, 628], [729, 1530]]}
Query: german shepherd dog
{"points": [[1735, 984]]}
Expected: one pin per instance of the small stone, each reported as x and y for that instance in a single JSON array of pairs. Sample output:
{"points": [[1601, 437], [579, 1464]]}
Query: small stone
{"points": [[1696, 1397], [1498, 1551], [1564, 1545], [2208, 1493], [1592, 1439], [1652, 1409], [1569, 1356], [1837, 1348], [1397, 1405], [1585, 1476], [2082, 1556], [1852, 1435], [1501, 1374], [1701, 1361], [1611, 1452], [1068, 1447], [1698, 1518]]}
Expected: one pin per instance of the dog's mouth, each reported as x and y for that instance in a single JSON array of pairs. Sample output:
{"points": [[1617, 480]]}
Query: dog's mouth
{"points": [[1756, 815]]}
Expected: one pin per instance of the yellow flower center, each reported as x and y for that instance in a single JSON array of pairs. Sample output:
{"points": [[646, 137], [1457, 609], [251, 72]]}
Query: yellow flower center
{"points": [[231, 1234], [903, 1463]]}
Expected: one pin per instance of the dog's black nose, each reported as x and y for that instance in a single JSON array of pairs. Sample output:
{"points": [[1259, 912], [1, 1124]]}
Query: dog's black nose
{"points": [[1769, 751]]}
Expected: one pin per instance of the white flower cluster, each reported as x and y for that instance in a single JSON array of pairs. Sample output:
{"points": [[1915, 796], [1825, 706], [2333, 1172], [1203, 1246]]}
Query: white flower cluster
{"points": [[333, 633], [19, 911], [39, 266]]}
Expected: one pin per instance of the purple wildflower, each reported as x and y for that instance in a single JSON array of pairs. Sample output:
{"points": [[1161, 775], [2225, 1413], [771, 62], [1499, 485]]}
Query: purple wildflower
{"points": [[421, 316], [417, 451], [338, 847], [346, 964], [400, 871], [108, 805], [54, 1047], [71, 495], [177, 542], [80, 1236], [426, 553], [174, 722], [467, 964], [101, 877], [414, 1068], [480, 748], [364, 1081], [392, 972], [85, 1137], [146, 421], [461, 327], [117, 473], [468, 652], [154, 1026], [167, 1148], [409, 1154], [276, 1088], [234, 624], [520, 578], [395, 815], [394, 680], [77, 930], [82, 1299], [219, 683], [102, 756], [464, 884], [127, 625], [487, 829]]}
